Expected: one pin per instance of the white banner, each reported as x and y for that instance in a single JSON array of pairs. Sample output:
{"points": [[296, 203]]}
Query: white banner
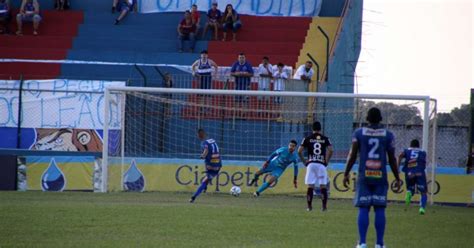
{"points": [[299, 8], [78, 104]]}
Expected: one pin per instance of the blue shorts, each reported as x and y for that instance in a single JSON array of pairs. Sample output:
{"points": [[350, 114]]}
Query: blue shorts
{"points": [[274, 170], [370, 194], [212, 173], [234, 26], [124, 7], [417, 180], [29, 18], [205, 81]]}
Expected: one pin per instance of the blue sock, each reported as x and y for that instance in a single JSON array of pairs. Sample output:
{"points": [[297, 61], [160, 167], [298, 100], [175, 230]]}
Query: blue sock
{"points": [[380, 224], [363, 222], [424, 198], [200, 189], [263, 187]]}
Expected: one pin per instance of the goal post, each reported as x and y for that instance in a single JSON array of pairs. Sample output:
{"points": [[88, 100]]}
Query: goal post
{"points": [[146, 126]]}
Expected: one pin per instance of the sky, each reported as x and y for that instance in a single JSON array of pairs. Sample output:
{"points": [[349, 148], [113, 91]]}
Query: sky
{"points": [[418, 47]]}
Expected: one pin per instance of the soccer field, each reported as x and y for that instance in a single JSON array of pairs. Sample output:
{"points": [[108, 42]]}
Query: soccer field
{"points": [[83, 219]]}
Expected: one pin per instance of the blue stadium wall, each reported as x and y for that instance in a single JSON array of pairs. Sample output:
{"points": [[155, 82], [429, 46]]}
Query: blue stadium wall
{"points": [[341, 77]]}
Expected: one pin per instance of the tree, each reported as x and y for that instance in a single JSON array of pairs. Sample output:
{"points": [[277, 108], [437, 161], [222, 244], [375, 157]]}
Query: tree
{"points": [[457, 117], [410, 115], [404, 114]]}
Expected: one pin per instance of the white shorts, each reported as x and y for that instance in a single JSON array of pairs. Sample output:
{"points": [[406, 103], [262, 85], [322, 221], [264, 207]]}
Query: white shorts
{"points": [[316, 174]]}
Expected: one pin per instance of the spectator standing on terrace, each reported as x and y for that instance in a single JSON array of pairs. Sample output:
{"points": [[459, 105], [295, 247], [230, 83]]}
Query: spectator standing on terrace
{"points": [[196, 16], [280, 77], [124, 7], [202, 68], [167, 83], [4, 16], [304, 72], [265, 71], [214, 16], [231, 21], [29, 12], [243, 72], [186, 31]]}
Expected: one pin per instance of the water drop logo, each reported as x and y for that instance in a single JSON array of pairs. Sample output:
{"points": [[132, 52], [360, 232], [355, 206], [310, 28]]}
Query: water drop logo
{"points": [[53, 178], [133, 179]]}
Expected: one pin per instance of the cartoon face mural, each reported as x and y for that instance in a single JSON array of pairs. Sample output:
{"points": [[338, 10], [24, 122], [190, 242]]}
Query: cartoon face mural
{"points": [[67, 139]]}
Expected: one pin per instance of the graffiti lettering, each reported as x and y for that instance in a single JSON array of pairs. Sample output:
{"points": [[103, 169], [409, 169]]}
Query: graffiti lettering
{"points": [[69, 108]]}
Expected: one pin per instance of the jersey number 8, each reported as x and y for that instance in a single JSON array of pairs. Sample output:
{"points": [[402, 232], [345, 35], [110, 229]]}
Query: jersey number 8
{"points": [[317, 149]]}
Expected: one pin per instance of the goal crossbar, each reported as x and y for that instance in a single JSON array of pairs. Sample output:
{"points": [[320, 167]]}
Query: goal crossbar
{"points": [[267, 93]]}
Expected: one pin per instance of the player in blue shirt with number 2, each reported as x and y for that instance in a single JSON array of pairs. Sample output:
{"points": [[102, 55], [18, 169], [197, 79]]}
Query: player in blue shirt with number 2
{"points": [[375, 144]]}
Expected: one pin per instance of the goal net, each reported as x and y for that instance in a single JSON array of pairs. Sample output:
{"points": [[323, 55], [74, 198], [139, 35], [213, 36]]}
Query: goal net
{"points": [[147, 128]]}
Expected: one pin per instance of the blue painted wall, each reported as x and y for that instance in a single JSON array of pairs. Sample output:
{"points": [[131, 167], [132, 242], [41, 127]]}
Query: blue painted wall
{"points": [[342, 77], [332, 8]]}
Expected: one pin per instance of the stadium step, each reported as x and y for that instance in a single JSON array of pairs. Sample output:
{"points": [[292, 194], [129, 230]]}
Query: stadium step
{"points": [[29, 70], [32, 53], [249, 35], [161, 19], [28, 41], [270, 48], [135, 45], [137, 56], [276, 22], [56, 30]]}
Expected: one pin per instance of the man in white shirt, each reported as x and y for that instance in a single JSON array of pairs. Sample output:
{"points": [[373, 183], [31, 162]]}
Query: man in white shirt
{"points": [[265, 71], [304, 72], [280, 77]]}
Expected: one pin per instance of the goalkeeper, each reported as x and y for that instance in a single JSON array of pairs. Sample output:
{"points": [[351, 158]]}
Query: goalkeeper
{"points": [[276, 164]]}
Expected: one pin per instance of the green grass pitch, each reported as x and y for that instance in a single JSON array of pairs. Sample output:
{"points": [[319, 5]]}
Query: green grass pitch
{"points": [[81, 219]]}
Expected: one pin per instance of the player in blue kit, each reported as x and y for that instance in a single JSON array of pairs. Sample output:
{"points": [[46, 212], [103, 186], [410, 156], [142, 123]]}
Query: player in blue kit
{"points": [[212, 161], [375, 144], [414, 165], [276, 164]]}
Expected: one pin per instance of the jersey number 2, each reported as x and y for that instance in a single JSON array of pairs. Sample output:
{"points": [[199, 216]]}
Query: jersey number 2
{"points": [[374, 143]]}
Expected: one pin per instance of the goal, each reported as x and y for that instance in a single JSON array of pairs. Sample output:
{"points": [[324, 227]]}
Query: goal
{"points": [[150, 131]]}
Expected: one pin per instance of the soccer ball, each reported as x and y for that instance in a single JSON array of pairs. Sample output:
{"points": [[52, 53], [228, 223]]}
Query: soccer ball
{"points": [[235, 191]]}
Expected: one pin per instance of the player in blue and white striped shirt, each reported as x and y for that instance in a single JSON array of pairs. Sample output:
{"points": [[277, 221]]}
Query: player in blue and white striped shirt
{"points": [[212, 160]]}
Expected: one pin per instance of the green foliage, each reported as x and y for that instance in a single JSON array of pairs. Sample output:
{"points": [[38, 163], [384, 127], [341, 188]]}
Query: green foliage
{"points": [[457, 117], [81, 219], [393, 113], [411, 115]]}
